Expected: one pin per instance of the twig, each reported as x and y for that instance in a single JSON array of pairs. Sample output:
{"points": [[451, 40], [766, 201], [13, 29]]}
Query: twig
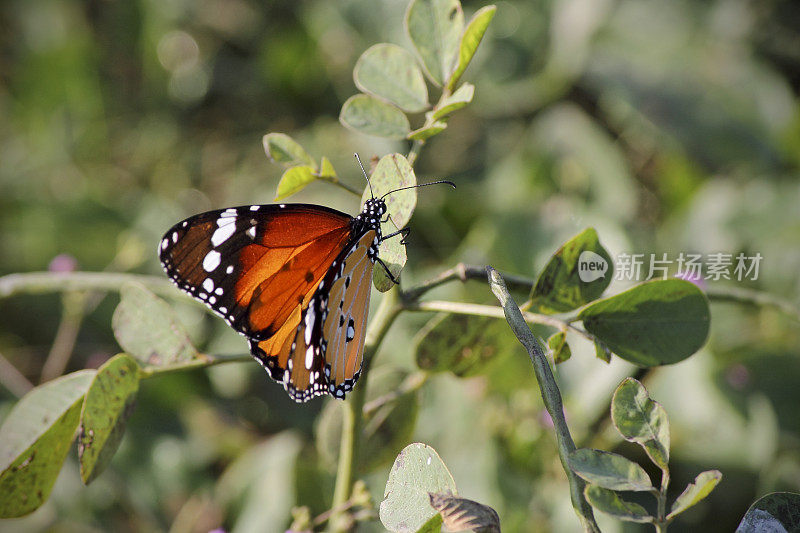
{"points": [[74, 308], [752, 297], [464, 272], [45, 282], [550, 395], [12, 379]]}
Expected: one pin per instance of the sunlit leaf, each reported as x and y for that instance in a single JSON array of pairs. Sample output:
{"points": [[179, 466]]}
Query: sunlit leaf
{"points": [[426, 132], [34, 440], [659, 322], [609, 470], [282, 149], [366, 114], [146, 327], [417, 471], [294, 180], [702, 486], [106, 408], [390, 72], [473, 34], [434, 525], [326, 169], [435, 28], [454, 102], [642, 420]]}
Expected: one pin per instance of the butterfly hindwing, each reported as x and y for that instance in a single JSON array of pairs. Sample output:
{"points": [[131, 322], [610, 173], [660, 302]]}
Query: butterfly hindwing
{"points": [[324, 355], [254, 265]]}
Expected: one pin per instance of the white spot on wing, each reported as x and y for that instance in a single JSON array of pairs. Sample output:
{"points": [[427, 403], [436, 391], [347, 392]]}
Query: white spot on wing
{"points": [[254, 207], [310, 318], [174, 236], [222, 234], [211, 261], [208, 284], [252, 232], [309, 357], [229, 269]]}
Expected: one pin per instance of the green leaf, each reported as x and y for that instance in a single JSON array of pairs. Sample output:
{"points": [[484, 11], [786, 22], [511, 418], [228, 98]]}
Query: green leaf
{"points": [[282, 149], [293, 180], [609, 470], [366, 114], [778, 511], [392, 172], [417, 470], [642, 420], [106, 408], [703, 484], [390, 72], [435, 27], [35, 439], [454, 102], [393, 255], [326, 169], [659, 322], [559, 348], [470, 40], [601, 352], [146, 327], [462, 344], [577, 273], [608, 502], [426, 132], [434, 525]]}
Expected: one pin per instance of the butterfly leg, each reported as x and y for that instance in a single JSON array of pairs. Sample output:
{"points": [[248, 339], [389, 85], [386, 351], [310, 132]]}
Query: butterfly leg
{"points": [[391, 276], [404, 232]]}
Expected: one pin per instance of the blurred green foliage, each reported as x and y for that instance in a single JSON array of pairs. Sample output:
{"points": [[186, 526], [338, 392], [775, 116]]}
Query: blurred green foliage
{"points": [[668, 127]]}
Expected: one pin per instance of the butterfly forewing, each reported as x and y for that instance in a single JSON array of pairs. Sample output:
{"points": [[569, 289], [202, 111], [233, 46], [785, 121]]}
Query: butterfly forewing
{"points": [[255, 265]]}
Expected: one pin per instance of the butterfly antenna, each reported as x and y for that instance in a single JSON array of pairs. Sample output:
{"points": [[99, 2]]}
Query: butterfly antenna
{"points": [[453, 185], [365, 174]]}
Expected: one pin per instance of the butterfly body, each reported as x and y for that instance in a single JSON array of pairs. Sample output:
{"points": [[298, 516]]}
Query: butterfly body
{"points": [[294, 279]]}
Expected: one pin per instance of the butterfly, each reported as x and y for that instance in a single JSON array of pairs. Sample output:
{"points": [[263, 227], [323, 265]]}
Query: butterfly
{"points": [[295, 279]]}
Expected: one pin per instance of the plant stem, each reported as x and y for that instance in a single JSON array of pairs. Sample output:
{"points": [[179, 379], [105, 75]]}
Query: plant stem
{"points": [[550, 395], [661, 515], [202, 361], [45, 282], [387, 311], [751, 297]]}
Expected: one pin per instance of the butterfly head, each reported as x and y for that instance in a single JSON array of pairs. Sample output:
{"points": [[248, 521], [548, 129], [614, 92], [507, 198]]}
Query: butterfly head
{"points": [[372, 212]]}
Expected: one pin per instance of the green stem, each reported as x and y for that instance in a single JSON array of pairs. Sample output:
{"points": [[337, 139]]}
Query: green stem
{"points": [[751, 297], [387, 311], [46, 282], [661, 515], [550, 395], [202, 361], [416, 146]]}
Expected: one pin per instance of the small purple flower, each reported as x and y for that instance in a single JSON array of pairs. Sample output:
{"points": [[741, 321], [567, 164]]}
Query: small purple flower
{"points": [[63, 263]]}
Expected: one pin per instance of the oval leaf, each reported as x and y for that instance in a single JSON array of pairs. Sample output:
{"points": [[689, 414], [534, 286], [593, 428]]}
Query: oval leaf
{"points": [[659, 322], [326, 169], [771, 513], [462, 344], [454, 102], [106, 408], [435, 27], [146, 327], [608, 502], [366, 114], [470, 40], [417, 471], [703, 484], [642, 420], [282, 149], [609, 470], [391, 73], [293, 180], [559, 349], [460, 514], [577, 274], [35, 439]]}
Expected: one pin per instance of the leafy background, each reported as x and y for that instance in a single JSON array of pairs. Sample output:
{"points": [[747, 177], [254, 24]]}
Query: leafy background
{"points": [[668, 127]]}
